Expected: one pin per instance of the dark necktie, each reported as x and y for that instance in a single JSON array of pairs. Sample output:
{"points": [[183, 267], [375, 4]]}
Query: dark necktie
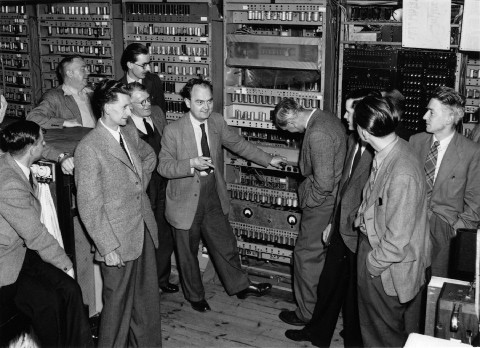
{"points": [[430, 165], [148, 127], [122, 144], [30, 178], [356, 160], [204, 145]]}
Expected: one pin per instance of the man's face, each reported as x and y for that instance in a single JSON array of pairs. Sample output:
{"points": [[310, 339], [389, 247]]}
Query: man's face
{"points": [[117, 113], [438, 117], [141, 104], [37, 148], [78, 73], [139, 68], [200, 102], [349, 110]]}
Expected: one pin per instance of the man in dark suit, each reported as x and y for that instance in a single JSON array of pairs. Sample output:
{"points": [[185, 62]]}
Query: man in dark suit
{"points": [[68, 105], [339, 276], [321, 163], [113, 169], [136, 64], [197, 200], [452, 170], [150, 122], [35, 273], [394, 247]]}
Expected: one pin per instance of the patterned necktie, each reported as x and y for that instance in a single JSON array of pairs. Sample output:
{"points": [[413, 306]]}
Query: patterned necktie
{"points": [[122, 144], [148, 127], [204, 145], [430, 165]]}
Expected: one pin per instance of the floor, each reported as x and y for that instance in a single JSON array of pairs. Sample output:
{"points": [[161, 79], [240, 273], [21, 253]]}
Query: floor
{"points": [[232, 322]]}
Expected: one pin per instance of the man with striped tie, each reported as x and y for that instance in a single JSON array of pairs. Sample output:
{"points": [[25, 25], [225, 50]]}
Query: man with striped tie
{"points": [[452, 170]]}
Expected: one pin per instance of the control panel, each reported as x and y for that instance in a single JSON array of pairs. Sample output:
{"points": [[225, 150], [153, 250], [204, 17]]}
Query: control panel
{"points": [[272, 51], [84, 29], [16, 58]]}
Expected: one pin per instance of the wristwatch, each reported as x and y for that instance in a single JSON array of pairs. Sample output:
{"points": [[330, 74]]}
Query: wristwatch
{"points": [[61, 156]]}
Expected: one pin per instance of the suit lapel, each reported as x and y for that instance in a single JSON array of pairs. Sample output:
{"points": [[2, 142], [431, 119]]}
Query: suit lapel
{"points": [[189, 136], [379, 181], [449, 162], [111, 145], [20, 172], [133, 153], [348, 162], [425, 148], [365, 164]]}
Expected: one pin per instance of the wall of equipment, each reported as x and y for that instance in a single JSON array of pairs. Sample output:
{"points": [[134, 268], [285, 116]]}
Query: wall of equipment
{"points": [[371, 56], [19, 57], [272, 50]]}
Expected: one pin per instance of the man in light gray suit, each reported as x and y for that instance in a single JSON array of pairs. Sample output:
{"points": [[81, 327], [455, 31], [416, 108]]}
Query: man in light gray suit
{"points": [[321, 163], [197, 199], [452, 171], [33, 266], [112, 174], [394, 247]]}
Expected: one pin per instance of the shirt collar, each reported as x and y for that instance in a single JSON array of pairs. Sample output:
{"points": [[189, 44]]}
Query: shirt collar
{"points": [[67, 91], [309, 117], [24, 169], [195, 122], [138, 118], [383, 153], [130, 80], [445, 142], [116, 134]]}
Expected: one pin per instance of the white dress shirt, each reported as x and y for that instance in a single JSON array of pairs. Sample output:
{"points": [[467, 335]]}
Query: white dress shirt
{"points": [[88, 120], [139, 123], [198, 137], [116, 135]]}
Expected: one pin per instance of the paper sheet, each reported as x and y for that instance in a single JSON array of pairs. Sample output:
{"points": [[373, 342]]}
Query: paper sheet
{"points": [[426, 24], [470, 39]]}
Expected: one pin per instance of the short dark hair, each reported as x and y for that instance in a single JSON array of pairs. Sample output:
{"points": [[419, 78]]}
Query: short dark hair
{"points": [[135, 86], [64, 64], [359, 94], [17, 136], [452, 100], [398, 101], [106, 92], [287, 109], [376, 116], [131, 53], [186, 91]]}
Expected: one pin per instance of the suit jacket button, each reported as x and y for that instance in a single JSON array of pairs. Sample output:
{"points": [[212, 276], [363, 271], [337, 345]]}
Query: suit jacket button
{"points": [[195, 195], [65, 269], [136, 183], [24, 245], [138, 197]]}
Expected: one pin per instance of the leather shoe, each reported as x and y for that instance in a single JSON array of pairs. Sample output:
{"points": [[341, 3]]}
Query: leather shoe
{"points": [[257, 290], [200, 306], [290, 317], [298, 335], [169, 288]]}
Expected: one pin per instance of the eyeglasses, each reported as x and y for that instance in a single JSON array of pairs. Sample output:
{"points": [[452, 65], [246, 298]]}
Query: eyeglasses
{"points": [[143, 66], [145, 101]]}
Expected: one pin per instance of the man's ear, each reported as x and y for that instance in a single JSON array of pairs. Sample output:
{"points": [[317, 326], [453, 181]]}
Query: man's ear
{"points": [[69, 73], [106, 109], [187, 102]]}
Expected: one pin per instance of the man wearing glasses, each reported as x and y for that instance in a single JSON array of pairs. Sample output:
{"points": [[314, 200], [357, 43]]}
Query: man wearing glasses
{"points": [[150, 122], [136, 64]]}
